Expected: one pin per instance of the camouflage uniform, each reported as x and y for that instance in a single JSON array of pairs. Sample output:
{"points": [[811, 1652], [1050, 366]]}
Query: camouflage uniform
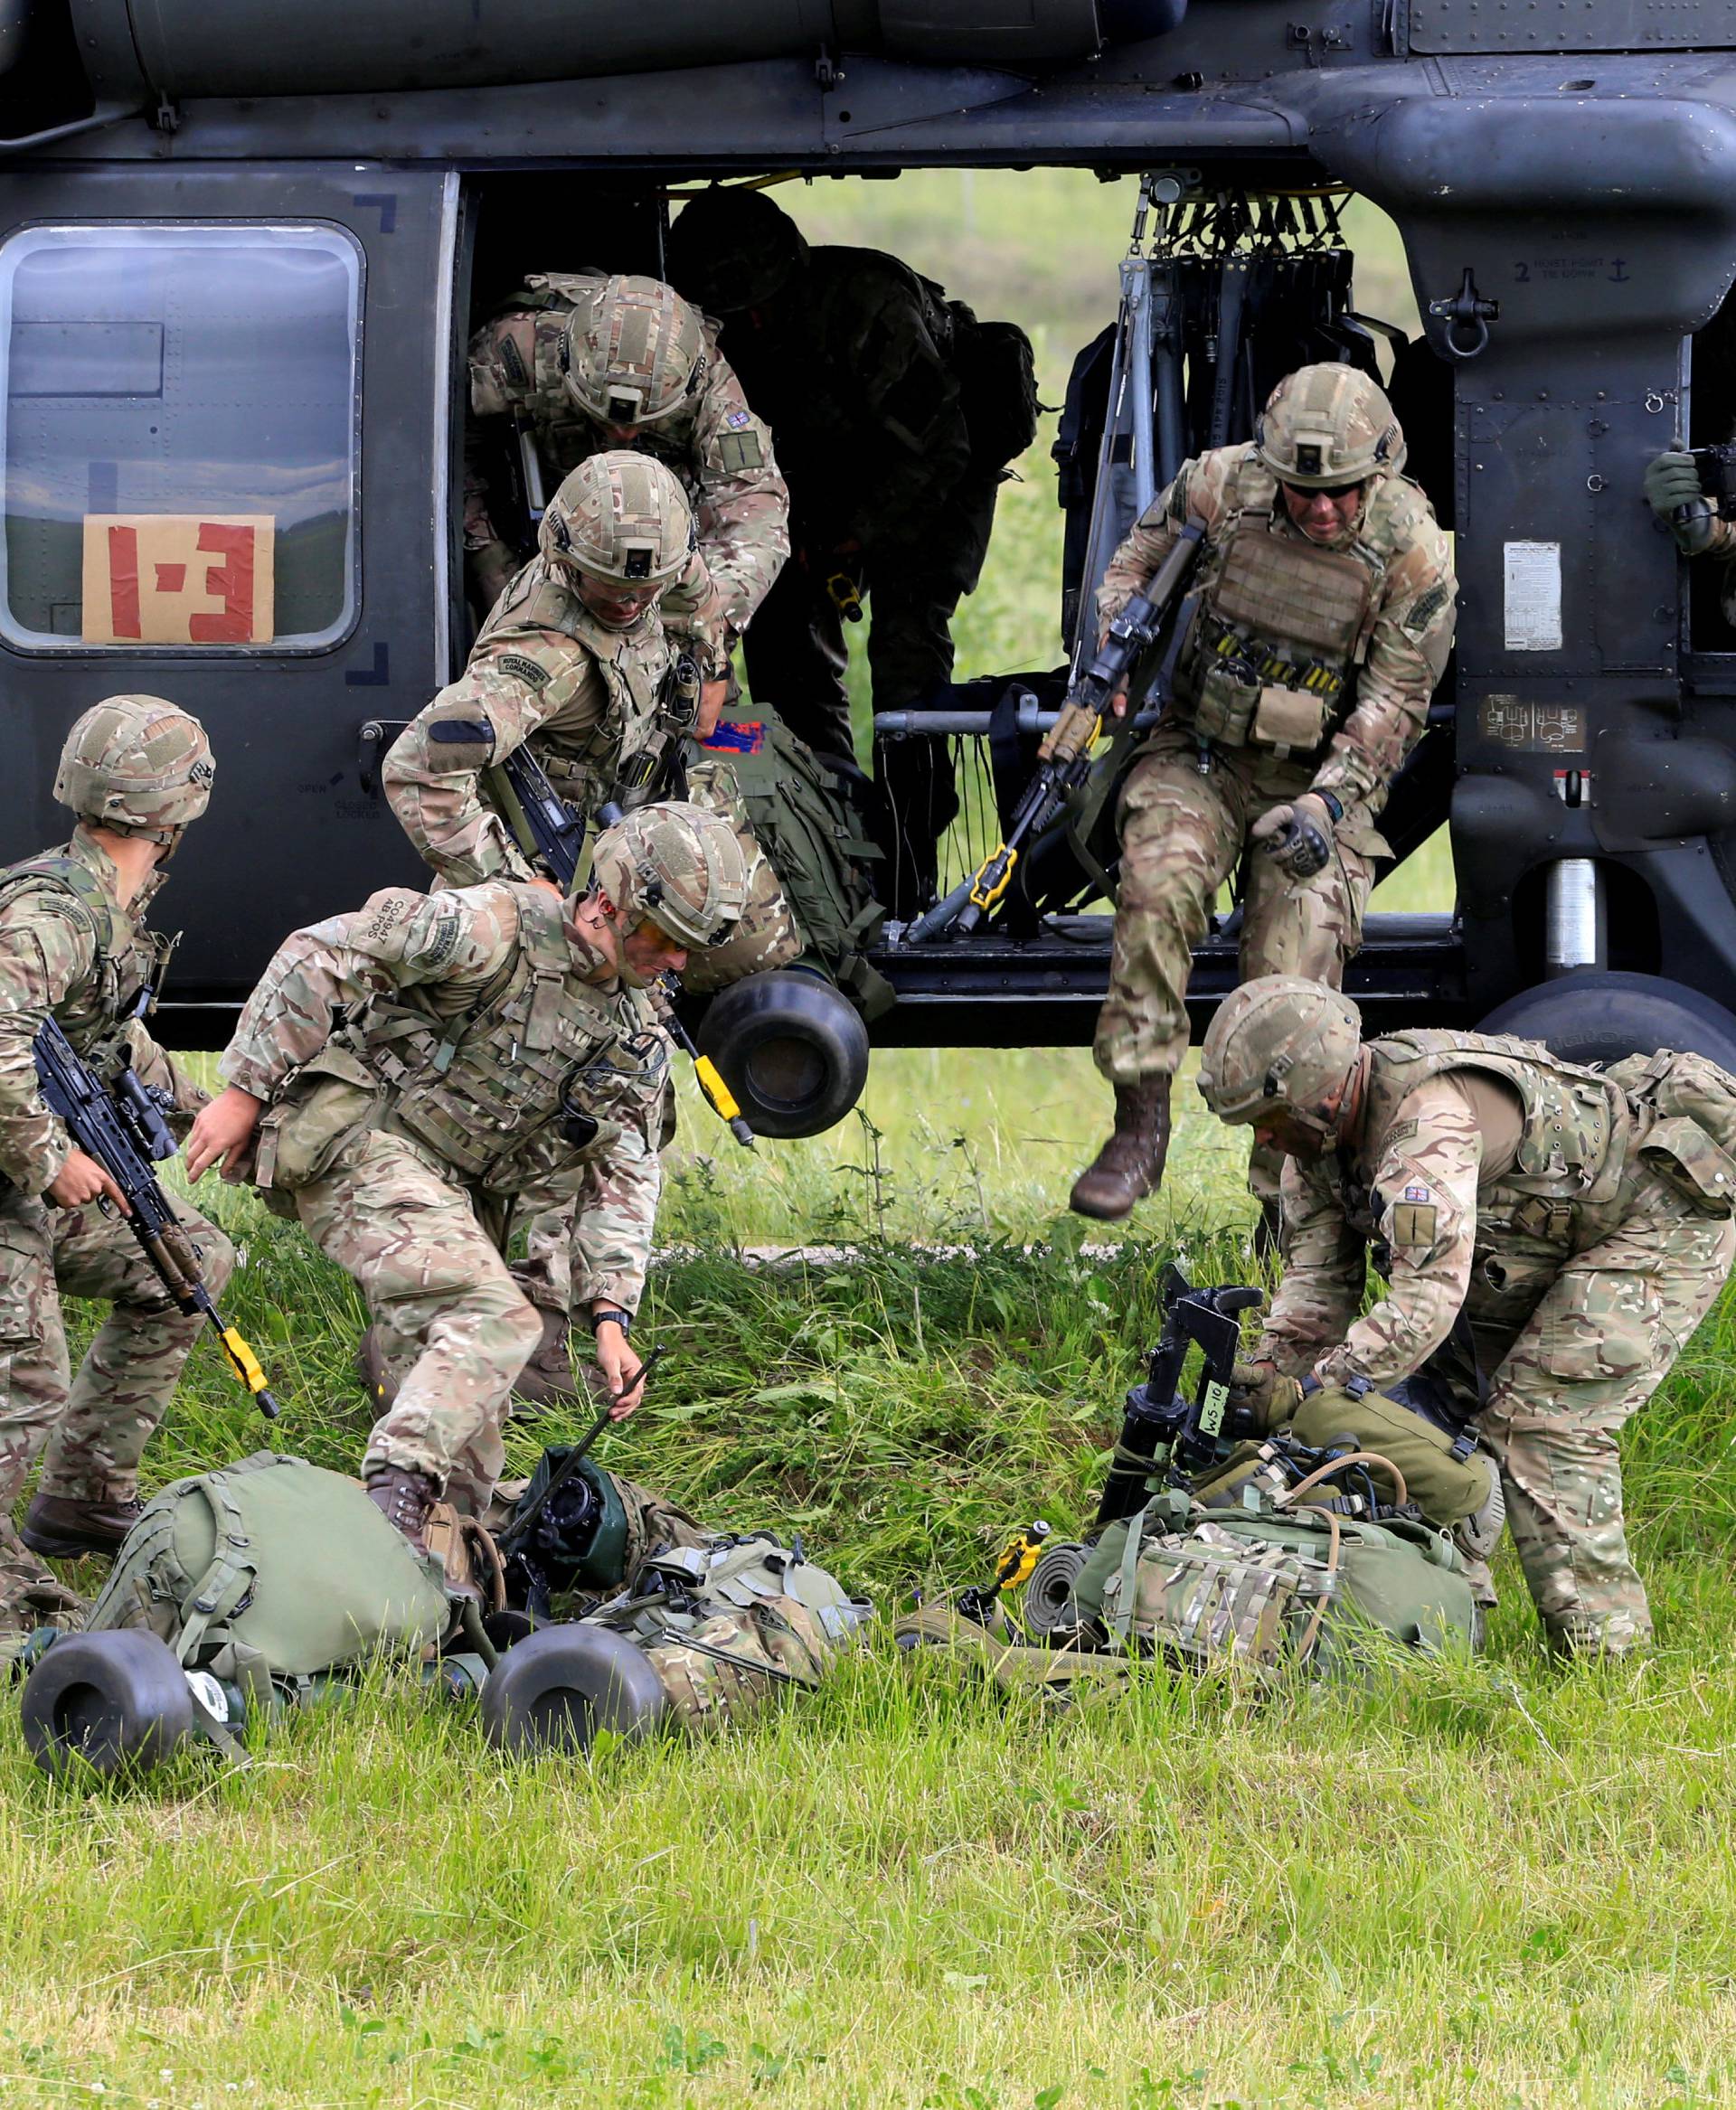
{"points": [[1579, 1264], [486, 1055], [852, 360], [714, 444], [67, 948]]}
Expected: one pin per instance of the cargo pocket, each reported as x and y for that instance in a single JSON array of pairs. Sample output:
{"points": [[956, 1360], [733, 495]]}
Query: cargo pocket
{"points": [[329, 1102], [1608, 1333], [1692, 1164]]}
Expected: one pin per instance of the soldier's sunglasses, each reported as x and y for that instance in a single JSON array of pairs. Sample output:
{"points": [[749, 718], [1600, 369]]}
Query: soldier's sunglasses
{"points": [[1307, 491]]}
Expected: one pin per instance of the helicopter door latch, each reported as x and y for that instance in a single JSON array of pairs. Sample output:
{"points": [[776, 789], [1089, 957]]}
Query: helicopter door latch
{"points": [[372, 740], [1467, 316]]}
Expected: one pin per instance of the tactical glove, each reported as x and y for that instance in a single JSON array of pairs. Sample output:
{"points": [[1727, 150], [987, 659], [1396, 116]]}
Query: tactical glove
{"points": [[1672, 492], [1298, 837], [1259, 1392]]}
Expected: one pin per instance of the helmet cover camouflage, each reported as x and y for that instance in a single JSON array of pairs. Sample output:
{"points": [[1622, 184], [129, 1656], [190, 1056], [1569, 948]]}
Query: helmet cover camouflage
{"points": [[1328, 425], [632, 353], [620, 516], [1279, 1044], [137, 765], [677, 866], [732, 249]]}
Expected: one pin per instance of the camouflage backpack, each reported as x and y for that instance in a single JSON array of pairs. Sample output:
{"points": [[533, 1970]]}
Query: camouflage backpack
{"points": [[1274, 1585], [796, 808], [729, 1621]]}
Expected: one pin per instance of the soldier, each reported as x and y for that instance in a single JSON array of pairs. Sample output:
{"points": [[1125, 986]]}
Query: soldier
{"points": [[1672, 492], [587, 363], [893, 465], [1325, 616], [135, 770], [1548, 1241], [493, 1044], [576, 662]]}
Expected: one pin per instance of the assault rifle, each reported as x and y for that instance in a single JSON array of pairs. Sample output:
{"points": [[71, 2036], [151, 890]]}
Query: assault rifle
{"points": [[545, 825], [123, 1127], [1064, 756], [1157, 1415]]}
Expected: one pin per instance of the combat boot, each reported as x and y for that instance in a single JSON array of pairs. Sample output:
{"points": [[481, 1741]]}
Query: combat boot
{"points": [[404, 1500], [62, 1528], [547, 1379], [1130, 1164]]}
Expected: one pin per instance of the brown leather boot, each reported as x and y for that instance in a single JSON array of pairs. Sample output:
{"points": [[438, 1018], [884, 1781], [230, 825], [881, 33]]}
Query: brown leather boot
{"points": [[1130, 1164], [547, 1379], [404, 1499], [62, 1528]]}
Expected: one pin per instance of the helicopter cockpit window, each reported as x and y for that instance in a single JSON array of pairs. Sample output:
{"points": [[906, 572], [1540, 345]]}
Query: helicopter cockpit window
{"points": [[180, 444]]}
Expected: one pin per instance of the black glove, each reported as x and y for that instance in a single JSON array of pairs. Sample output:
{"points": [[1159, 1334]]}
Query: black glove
{"points": [[1298, 837], [1672, 492]]}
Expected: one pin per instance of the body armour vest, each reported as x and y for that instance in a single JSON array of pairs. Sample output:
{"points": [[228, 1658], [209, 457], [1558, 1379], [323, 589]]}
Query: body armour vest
{"points": [[539, 1077], [1577, 1124], [128, 959], [565, 435], [1284, 623], [646, 713]]}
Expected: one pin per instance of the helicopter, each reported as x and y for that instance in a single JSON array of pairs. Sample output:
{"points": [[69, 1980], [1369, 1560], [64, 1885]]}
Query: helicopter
{"points": [[242, 250]]}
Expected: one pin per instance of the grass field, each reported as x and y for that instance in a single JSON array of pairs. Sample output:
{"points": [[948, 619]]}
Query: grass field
{"points": [[1479, 1886]]}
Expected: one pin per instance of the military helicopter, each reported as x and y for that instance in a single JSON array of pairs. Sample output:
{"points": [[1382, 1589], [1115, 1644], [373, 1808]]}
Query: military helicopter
{"points": [[241, 250]]}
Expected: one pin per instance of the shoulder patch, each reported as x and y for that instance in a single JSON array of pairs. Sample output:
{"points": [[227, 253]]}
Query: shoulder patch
{"points": [[1414, 1223], [443, 941], [531, 672], [1427, 606], [381, 915], [462, 733], [1402, 1131], [738, 419], [737, 451], [511, 359]]}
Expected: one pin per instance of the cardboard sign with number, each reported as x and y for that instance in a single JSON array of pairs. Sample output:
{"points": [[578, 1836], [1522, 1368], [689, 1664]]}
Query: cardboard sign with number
{"points": [[178, 577]]}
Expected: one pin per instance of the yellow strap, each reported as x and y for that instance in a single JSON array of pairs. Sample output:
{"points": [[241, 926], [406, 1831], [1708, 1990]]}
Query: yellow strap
{"points": [[244, 1358]]}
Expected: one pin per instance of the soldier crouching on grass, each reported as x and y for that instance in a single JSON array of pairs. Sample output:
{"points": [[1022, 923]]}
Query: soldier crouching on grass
{"points": [[1550, 1237], [430, 1061], [73, 947]]}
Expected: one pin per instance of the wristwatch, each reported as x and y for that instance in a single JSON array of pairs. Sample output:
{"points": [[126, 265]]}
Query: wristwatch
{"points": [[612, 1318]]}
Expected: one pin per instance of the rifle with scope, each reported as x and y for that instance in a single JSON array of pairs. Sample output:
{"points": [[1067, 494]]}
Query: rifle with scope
{"points": [[123, 1126], [1064, 755]]}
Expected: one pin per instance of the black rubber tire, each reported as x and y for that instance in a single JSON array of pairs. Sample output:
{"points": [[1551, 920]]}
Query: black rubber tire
{"points": [[1049, 1595], [562, 1684], [116, 1702], [792, 1049], [1592, 1017]]}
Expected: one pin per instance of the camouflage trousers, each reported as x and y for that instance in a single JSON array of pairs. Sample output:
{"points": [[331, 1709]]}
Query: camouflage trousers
{"points": [[90, 1429], [1591, 1349], [452, 1325], [1182, 836]]}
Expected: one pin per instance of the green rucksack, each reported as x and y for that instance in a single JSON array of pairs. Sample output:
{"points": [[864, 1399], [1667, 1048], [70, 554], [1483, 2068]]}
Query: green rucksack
{"points": [[271, 1570], [1276, 1586], [799, 812]]}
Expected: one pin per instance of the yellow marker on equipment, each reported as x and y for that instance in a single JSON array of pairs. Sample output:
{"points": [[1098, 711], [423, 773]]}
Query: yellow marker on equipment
{"points": [[1021, 1555], [711, 1082]]}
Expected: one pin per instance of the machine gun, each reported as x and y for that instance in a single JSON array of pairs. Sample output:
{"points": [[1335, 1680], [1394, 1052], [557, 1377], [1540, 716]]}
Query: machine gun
{"points": [[545, 827], [123, 1127], [1064, 757]]}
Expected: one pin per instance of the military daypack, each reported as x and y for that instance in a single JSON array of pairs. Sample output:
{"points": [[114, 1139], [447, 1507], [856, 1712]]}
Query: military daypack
{"points": [[797, 809], [1278, 1586], [218, 1566]]}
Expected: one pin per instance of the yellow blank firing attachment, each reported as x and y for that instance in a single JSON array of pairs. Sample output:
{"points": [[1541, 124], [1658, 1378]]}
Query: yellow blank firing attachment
{"points": [[247, 1368], [711, 1081], [985, 891], [1020, 1556]]}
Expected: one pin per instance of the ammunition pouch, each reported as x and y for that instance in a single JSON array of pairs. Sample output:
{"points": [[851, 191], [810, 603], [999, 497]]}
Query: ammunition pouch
{"points": [[1682, 1154]]}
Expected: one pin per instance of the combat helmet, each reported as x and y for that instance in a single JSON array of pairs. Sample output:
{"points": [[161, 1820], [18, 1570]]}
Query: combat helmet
{"points": [[1279, 1044], [677, 866], [1328, 425], [632, 353], [620, 516], [732, 248], [137, 766]]}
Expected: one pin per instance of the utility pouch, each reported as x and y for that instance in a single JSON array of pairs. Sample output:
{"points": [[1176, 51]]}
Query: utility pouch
{"points": [[1230, 695], [1681, 1153], [325, 1105], [1289, 720]]}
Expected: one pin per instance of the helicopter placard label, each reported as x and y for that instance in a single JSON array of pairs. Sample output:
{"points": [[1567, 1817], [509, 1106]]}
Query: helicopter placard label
{"points": [[179, 578]]}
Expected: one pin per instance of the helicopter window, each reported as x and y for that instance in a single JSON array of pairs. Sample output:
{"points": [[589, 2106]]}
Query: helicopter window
{"points": [[180, 437]]}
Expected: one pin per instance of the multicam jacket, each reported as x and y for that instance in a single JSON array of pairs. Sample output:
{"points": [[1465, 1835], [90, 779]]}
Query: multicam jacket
{"points": [[720, 452], [67, 946], [599, 706], [1450, 1233], [480, 1026], [1363, 631]]}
